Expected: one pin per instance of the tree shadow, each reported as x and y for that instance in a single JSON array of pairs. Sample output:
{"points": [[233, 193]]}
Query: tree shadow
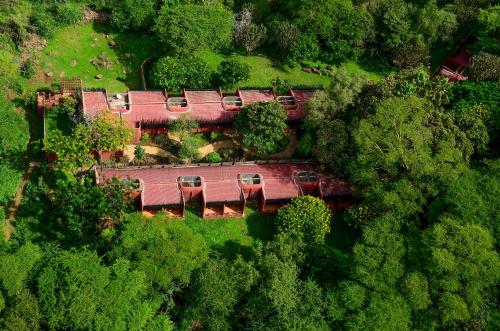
{"points": [[378, 66], [260, 226], [231, 249]]}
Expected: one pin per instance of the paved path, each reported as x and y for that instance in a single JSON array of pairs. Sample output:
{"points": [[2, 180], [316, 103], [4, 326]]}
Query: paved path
{"points": [[10, 217]]}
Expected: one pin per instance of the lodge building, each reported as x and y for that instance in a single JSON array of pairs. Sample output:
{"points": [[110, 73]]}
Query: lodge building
{"points": [[223, 191], [150, 111]]}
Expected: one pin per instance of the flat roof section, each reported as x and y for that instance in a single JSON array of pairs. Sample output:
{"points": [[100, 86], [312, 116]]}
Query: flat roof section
{"points": [[94, 102]]}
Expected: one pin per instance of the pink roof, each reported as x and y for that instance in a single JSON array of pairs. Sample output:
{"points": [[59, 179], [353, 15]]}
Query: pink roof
{"points": [[94, 102], [161, 188], [162, 194], [205, 106], [280, 188], [251, 96]]}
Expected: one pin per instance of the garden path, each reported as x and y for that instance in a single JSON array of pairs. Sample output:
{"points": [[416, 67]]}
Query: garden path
{"points": [[129, 152], [215, 146]]}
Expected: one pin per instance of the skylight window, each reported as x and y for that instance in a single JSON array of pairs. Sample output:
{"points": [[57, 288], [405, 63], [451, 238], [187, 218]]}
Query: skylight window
{"points": [[190, 181], [308, 176]]}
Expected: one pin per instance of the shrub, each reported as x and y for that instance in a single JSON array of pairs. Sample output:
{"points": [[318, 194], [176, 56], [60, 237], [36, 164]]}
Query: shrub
{"points": [[484, 66], [43, 23], [306, 48], [183, 72], [133, 14], [145, 139], [186, 28], [232, 71], [214, 157], [28, 69], [67, 13], [10, 179], [262, 126], [139, 152], [306, 217]]}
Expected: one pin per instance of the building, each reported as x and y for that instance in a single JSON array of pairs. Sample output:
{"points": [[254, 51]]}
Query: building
{"points": [[454, 66], [150, 111], [224, 190]]}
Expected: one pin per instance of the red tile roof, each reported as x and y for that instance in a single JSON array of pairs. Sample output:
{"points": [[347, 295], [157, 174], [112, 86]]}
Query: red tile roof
{"points": [[161, 188], [94, 102], [205, 106]]}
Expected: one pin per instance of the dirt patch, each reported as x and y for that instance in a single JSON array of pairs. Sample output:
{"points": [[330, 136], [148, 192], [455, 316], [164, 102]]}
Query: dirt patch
{"points": [[215, 146], [91, 15], [151, 150]]}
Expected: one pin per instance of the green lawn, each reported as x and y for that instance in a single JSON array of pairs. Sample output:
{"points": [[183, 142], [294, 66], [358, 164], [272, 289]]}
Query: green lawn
{"points": [[70, 52], [233, 235], [55, 120], [263, 70]]}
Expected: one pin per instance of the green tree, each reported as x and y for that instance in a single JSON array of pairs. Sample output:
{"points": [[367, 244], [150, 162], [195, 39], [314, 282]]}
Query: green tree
{"points": [[175, 73], [108, 133], [72, 152], [233, 71], [133, 14], [215, 291], [463, 268], [185, 28], [306, 217], [17, 268], [404, 149], [77, 292], [166, 251], [262, 126]]}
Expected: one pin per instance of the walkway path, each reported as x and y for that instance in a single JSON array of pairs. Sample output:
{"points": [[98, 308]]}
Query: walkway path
{"points": [[215, 146], [129, 152], [11, 211]]}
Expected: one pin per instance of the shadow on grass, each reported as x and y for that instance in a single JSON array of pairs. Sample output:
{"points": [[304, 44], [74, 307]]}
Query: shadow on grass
{"points": [[377, 66], [231, 249]]}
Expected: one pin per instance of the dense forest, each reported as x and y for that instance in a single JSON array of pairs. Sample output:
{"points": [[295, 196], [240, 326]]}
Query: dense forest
{"points": [[418, 250]]}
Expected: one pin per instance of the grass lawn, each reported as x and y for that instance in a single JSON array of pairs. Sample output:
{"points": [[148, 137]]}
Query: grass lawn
{"points": [[70, 52], [263, 70], [232, 236], [57, 121]]}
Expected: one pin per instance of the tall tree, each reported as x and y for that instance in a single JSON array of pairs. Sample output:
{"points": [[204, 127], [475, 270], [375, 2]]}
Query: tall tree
{"points": [[262, 126]]}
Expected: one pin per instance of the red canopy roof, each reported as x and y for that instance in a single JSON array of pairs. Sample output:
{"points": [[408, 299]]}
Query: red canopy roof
{"points": [[160, 185], [204, 106]]}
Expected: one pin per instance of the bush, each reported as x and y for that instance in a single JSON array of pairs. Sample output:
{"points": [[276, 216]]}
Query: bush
{"points": [[185, 28], [43, 23], [306, 48], [306, 217], [262, 126], [484, 66], [10, 179], [145, 138], [133, 14], [214, 157], [28, 69], [232, 71], [183, 72], [67, 13], [139, 152]]}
